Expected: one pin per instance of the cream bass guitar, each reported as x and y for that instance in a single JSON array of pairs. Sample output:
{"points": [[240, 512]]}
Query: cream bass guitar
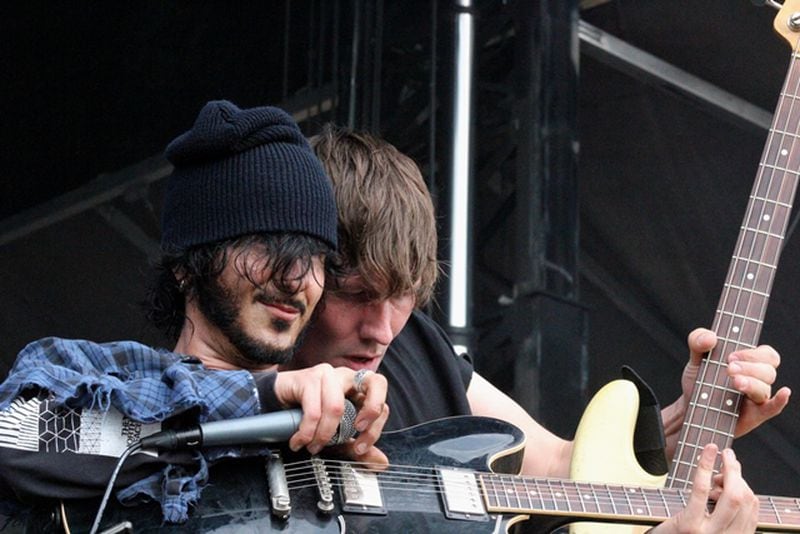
{"points": [[603, 446]]}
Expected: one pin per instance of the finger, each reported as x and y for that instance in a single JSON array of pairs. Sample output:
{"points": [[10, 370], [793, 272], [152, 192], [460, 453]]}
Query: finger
{"points": [[755, 390], [701, 340], [735, 505], [308, 393], [373, 458], [370, 435], [762, 354], [753, 414], [331, 411], [754, 372], [696, 506], [374, 387]]}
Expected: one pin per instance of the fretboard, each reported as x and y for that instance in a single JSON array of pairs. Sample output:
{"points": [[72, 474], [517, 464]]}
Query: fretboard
{"points": [[612, 502], [714, 407]]}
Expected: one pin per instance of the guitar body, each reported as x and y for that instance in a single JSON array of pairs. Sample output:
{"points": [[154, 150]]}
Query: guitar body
{"points": [[237, 498], [603, 448]]}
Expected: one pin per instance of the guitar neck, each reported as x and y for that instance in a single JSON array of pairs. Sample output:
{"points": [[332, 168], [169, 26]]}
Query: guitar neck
{"points": [[714, 406], [612, 503]]}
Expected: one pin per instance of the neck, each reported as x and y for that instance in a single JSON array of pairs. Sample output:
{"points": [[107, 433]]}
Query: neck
{"points": [[201, 339]]}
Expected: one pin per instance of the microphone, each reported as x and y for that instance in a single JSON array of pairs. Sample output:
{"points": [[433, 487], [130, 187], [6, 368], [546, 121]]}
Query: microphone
{"points": [[271, 427]]}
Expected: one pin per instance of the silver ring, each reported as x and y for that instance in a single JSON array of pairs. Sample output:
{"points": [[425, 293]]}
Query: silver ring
{"points": [[358, 380]]}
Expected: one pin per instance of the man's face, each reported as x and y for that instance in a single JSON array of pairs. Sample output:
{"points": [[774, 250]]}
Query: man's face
{"points": [[258, 325], [352, 329]]}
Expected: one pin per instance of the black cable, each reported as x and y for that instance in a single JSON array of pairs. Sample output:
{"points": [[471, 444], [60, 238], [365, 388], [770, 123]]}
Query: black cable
{"points": [[130, 450]]}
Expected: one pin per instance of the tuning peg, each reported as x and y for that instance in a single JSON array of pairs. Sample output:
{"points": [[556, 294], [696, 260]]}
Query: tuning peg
{"points": [[762, 3]]}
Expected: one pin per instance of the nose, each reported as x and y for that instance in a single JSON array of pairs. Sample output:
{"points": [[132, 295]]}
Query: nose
{"points": [[376, 323]]}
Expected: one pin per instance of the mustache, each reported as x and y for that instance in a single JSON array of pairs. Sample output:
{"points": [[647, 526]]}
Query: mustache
{"points": [[266, 297]]}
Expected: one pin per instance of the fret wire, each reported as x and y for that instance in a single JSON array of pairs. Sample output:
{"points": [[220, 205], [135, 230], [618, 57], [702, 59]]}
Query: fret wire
{"points": [[758, 231], [754, 261], [739, 316], [787, 134], [552, 494], [611, 498], [714, 431], [628, 501], [541, 496], [566, 495], [504, 491], [583, 495], [781, 169], [734, 342], [527, 492], [745, 290], [716, 362], [494, 493], [515, 486], [774, 510], [647, 503], [768, 200], [596, 499]]}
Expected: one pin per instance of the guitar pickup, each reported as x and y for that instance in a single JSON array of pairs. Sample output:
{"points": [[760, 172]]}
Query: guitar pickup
{"points": [[461, 495], [361, 492]]}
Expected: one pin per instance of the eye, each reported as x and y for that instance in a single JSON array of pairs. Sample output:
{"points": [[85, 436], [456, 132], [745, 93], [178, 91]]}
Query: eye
{"points": [[358, 297]]}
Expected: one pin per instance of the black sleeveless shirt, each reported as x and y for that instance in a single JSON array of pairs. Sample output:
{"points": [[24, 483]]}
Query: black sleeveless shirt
{"points": [[427, 379]]}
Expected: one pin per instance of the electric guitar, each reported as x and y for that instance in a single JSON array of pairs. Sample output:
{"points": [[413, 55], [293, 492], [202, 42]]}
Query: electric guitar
{"points": [[714, 407], [437, 481]]}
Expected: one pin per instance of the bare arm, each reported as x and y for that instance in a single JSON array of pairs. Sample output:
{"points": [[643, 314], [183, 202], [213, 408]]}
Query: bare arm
{"points": [[545, 453]]}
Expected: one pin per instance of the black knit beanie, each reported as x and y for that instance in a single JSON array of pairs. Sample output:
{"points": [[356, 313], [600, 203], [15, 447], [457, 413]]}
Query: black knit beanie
{"points": [[244, 171]]}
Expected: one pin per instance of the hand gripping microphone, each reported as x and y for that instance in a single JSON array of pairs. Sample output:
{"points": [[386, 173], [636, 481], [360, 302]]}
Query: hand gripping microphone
{"points": [[274, 427]]}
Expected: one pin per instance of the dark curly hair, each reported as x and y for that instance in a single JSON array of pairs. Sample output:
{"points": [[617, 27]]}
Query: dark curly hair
{"points": [[178, 276]]}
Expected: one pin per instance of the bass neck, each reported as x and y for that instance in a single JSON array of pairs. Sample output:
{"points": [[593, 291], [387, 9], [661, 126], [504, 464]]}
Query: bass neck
{"points": [[612, 503], [714, 406]]}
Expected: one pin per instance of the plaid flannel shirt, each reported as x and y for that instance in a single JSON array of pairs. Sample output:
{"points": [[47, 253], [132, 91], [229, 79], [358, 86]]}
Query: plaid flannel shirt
{"points": [[145, 384]]}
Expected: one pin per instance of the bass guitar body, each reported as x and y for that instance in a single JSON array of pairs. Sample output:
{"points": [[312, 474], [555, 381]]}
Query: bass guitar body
{"points": [[603, 449]]}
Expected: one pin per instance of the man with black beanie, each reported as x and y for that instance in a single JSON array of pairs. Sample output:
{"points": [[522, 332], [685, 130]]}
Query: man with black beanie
{"points": [[248, 220]]}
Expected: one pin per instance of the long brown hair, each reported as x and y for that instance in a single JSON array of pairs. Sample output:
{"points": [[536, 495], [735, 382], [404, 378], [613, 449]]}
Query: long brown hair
{"points": [[387, 226]]}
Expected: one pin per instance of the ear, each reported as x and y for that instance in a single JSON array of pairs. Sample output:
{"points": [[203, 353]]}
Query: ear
{"points": [[182, 278]]}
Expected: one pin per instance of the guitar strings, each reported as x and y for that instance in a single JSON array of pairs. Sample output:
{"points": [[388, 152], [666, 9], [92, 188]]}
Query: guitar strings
{"points": [[523, 493], [777, 136]]}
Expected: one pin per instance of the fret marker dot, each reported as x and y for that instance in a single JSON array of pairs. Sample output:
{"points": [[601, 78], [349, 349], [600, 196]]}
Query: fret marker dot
{"points": [[766, 217], [639, 511], [784, 152], [509, 491], [729, 402], [632, 490], [704, 396], [532, 492], [735, 329], [750, 276], [558, 494]]}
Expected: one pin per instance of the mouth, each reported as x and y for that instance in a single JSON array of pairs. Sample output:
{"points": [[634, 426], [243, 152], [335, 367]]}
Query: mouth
{"points": [[282, 309], [356, 363]]}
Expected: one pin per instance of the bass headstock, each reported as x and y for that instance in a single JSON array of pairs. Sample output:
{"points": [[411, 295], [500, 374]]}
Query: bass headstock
{"points": [[787, 22]]}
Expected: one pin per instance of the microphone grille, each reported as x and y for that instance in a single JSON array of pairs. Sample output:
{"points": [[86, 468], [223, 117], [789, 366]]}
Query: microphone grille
{"points": [[347, 424]]}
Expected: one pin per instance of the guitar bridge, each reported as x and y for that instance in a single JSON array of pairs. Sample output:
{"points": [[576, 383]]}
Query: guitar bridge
{"points": [[280, 501], [324, 486], [461, 495]]}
